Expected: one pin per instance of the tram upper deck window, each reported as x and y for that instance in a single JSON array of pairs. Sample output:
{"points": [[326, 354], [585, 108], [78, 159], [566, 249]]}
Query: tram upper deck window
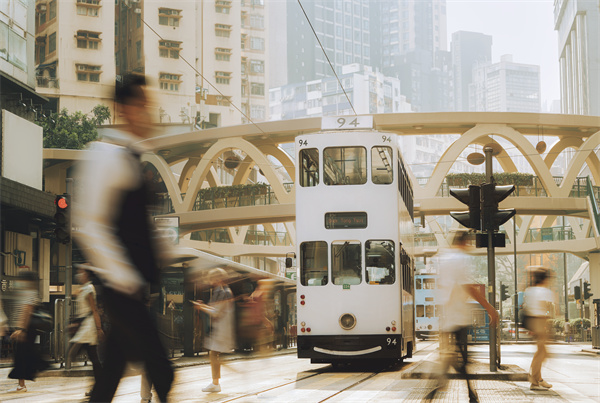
{"points": [[345, 165], [382, 165], [346, 262], [313, 263], [309, 173], [380, 262], [418, 284]]}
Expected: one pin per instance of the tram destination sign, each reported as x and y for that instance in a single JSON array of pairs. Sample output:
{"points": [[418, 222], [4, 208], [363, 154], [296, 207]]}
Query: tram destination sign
{"points": [[345, 220], [347, 122]]}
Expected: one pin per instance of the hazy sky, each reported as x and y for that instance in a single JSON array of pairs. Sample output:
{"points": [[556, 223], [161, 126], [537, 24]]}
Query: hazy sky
{"points": [[523, 28]]}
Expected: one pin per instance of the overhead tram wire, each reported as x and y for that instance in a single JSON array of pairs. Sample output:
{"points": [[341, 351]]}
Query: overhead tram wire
{"points": [[327, 57], [209, 83]]}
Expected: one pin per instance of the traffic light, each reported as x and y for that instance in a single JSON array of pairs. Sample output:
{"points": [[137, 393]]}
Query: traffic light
{"points": [[504, 292], [577, 293], [470, 197], [586, 290], [62, 218], [492, 218]]}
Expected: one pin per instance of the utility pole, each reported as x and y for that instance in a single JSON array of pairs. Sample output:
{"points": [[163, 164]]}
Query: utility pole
{"points": [[581, 304], [68, 282], [516, 294], [491, 257]]}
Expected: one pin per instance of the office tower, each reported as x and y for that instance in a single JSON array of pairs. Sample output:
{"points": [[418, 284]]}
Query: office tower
{"points": [[469, 49], [505, 87], [578, 26]]}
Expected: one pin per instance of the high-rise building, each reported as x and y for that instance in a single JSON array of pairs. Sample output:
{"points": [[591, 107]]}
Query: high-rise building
{"points": [[505, 87], [369, 92], [469, 49], [343, 28], [578, 26], [74, 53]]}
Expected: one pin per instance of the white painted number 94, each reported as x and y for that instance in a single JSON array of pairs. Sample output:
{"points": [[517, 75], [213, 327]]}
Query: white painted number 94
{"points": [[391, 341]]}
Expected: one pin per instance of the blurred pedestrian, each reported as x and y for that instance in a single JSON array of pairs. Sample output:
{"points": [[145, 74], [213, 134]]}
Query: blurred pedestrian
{"points": [[538, 303], [221, 338], [567, 331], [89, 332], [261, 299], [119, 240], [27, 358], [453, 295]]}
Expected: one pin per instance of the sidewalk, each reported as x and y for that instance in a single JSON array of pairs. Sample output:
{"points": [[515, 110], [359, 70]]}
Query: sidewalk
{"points": [[78, 369]]}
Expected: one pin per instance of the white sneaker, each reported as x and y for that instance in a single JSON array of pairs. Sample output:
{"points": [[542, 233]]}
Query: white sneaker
{"points": [[19, 389], [212, 388]]}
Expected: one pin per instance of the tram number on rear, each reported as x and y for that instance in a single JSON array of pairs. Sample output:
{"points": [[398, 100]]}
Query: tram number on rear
{"points": [[391, 342]]}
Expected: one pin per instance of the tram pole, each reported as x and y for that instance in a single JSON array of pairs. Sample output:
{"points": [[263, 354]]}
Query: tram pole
{"points": [[491, 257]]}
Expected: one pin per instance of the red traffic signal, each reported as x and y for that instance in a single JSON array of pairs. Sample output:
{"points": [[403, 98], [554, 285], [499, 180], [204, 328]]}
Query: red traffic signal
{"points": [[61, 202], [62, 218]]}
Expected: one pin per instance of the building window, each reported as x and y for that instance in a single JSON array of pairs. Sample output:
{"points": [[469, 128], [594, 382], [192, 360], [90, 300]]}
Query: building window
{"points": [[41, 14], [222, 6], [257, 66], [88, 7], [257, 43], [223, 54], [244, 41], [88, 40], [169, 82], [223, 30], [222, 77], [169, 17], [257, 112], [88, 72], [138, 50], [257, 2], [52, 42], [169, 49], [257, 89], [257, 21]]}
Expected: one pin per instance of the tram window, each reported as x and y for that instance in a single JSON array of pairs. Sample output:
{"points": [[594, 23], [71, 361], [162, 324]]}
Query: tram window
{"points": [[345, 165], [346, 262], [429, 311], [429, 284], [418, 284], [438, 311], [379, 258], [309, 174], [420, 311], [382, 168], [313, 263]]}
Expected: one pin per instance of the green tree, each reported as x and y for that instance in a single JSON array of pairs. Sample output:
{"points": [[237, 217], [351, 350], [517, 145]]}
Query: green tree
{"points": [[72, 130]]}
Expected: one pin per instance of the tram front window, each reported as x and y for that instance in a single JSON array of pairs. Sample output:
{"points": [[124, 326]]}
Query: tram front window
{"points": [[420, 311], [429, 311], [382, 171], [346, 262], [313, 263], [345, 165], [380, 262], [429, 284], [309, 167]]}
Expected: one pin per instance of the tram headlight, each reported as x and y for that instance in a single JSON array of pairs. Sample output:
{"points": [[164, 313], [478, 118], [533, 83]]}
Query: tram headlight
{"points": [[347, 321]]}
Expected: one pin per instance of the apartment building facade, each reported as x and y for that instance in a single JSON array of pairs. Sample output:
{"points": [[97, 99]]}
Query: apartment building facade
{"points": [[74, 53]]}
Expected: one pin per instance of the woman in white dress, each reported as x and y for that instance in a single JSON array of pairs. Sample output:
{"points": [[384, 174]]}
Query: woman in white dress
{"points": [[221, 338], [90, 329]]}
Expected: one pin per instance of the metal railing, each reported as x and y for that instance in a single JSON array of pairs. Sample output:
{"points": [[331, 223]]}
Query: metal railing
{"points": [[549, 234], [267, 238], [212, 235]]}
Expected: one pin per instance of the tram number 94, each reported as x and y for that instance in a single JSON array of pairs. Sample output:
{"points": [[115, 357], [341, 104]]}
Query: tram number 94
{"points": [[391, 342]]}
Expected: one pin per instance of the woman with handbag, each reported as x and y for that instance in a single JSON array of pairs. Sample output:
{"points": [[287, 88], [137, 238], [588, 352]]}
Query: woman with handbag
{"points": [[87, 325], [27, 360]]}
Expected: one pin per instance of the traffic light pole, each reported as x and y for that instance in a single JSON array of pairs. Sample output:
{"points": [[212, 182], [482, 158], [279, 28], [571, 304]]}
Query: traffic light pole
{"points": [[491, 257], [68, 287]]}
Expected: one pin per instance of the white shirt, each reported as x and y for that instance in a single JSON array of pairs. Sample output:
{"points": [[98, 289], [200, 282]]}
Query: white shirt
{"points": [[537, 301], [453, 269]]}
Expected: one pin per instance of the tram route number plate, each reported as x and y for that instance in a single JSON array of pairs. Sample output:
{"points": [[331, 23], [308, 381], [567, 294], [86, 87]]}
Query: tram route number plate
{"points": [[391, 342], [348, 122]]}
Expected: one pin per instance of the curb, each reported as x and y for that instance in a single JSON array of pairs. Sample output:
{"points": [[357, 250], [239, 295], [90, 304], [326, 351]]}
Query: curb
{"points": [[429, 370]]}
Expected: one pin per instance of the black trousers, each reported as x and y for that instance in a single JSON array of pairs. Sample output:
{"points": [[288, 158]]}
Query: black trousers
{"points": [[133, 337]]}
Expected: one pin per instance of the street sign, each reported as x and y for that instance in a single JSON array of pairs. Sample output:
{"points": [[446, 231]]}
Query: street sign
{"points": [[168, 227], [348, 122]]}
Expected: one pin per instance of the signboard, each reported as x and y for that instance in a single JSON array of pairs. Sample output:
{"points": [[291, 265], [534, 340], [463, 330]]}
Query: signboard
{"points": [[168, 227], [347, 122], [345, 220], [291, 274]]}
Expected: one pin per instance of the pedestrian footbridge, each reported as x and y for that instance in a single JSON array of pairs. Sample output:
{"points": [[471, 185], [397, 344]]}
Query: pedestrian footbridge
{"points": [[554, 214]]}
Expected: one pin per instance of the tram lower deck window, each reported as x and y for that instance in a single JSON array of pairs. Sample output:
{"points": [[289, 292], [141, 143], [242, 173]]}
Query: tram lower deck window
{"points": [[379, 258], [346, 262], [313, 263]]}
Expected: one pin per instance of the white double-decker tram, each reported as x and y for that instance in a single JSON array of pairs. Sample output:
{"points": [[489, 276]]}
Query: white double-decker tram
{"points": [[354, 221]]}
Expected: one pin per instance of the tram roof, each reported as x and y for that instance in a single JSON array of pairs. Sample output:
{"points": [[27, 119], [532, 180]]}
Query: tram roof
{"points": [[201, 262], [178, 146]]}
